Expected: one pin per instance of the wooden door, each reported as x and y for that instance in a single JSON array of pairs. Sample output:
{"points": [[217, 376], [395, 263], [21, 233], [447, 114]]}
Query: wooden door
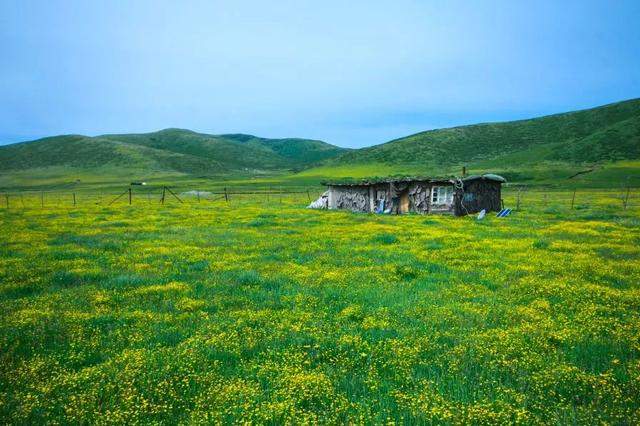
{"points": [[404, 202]]}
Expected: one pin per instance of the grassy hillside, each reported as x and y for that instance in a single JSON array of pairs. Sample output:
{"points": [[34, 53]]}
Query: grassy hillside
{"points": [[553, 146], [302, 151], [603, 141], [606, 133], [236, 151], [170, 152]]}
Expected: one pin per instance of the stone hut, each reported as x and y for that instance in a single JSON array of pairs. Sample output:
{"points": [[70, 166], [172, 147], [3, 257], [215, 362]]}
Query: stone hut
{"points": [[457, 196]]}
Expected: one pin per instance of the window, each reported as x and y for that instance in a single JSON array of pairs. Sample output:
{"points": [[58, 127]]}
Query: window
{"points": [[442, 195]]}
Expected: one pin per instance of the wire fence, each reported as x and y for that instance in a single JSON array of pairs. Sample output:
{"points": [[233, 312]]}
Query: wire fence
{"points": [[148, 195], [571, 199], [516, 197]]}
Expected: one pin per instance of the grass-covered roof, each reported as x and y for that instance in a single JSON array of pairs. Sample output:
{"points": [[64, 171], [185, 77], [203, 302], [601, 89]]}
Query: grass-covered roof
{"points": [[396, 179]]}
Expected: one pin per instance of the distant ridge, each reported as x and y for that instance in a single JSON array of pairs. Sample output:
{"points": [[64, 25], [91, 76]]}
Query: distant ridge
{"points": [[168, 151], [550, 147], [607, 133]]}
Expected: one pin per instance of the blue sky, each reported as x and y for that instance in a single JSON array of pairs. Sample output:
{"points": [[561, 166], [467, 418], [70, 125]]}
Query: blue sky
{"points": [[352, 73]]}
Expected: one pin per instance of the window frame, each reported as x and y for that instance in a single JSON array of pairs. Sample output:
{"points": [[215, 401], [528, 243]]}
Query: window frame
{"points": [[442, 195]]}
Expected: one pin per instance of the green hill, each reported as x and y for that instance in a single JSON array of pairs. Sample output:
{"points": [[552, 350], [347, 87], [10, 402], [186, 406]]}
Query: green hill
{"points": [[166, 153], [605, 141], [606, 133], [548, 147], [235, 151]]}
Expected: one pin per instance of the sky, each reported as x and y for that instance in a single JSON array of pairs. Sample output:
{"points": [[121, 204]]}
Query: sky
{"points": [[352, 73]]}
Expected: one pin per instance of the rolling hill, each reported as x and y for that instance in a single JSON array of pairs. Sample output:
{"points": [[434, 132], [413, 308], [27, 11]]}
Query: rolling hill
{"points": [[603, 140], [607, 133], [544, 149], [169, 152]]}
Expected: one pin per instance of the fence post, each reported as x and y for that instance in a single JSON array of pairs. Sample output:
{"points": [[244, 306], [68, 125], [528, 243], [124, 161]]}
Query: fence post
{"points": [[173, 193], [226, 197], [129, 195], [518, 200], [573, 199], [163, 192], [74, 198], [625, 201], [42, 199]]}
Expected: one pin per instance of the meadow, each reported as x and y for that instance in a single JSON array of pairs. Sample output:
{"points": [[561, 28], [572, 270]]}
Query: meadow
{"points": [[265, 312]]}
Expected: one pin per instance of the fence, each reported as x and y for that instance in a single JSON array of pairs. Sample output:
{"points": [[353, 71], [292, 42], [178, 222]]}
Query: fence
{"points": [[544, 199], [136, 195], [515, 197]]}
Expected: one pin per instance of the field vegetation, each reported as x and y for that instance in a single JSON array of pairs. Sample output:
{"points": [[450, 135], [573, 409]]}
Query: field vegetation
{"points": [[265, 312], [603, 134], [604, 142], [169, 153], [258, 310]]}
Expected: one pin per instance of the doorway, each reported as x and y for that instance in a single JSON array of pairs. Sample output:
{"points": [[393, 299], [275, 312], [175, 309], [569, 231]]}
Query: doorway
{"points": [[404, 202]]}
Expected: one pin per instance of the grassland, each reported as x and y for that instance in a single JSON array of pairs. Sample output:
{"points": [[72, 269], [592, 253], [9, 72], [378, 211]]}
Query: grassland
{"points": [[169, 153], [604, 134], [540, 151], [262, 312]]}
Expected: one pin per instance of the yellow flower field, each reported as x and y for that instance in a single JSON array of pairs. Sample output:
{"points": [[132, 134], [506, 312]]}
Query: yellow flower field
{"points": [[251, 312]]}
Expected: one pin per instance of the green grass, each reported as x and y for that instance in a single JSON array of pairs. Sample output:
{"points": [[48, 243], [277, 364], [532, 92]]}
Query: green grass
{"points": [[541, 151], [258, 310], [218, 312], [167, 153], [607, 133]]}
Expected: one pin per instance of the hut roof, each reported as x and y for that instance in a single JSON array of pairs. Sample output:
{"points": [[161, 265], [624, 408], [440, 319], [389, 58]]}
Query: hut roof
{"points": [[486, 176], [396, 179]]}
